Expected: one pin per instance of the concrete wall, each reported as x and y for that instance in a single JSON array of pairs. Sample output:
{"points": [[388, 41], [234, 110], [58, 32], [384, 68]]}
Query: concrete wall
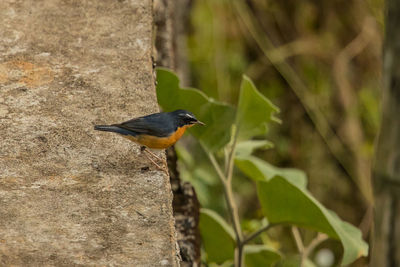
{"points": [[70, 196]]}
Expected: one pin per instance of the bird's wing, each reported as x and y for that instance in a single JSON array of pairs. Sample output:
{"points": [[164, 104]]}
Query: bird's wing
{"points": [[156, 125]]}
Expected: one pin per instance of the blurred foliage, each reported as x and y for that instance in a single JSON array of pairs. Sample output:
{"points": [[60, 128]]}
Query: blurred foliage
{"points": [[320, 62], [282, 192], [216, 115], [218, 237], [260, 255]]}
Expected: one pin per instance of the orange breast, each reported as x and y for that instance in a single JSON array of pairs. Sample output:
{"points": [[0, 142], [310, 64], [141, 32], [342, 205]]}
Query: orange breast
{"points": [[159, 142]]}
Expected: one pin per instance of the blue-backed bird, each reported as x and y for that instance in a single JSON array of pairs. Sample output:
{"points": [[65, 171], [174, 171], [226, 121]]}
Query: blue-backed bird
{"points": [[158, 130]]}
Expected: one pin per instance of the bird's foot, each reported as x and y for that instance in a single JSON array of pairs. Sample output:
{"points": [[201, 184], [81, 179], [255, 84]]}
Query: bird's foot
{"points": [[149, 153]]}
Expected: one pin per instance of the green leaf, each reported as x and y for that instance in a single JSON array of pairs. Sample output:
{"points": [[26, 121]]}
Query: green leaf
{"points": [[283, 201], [255, 111], [246, 148], [218, 237], [260, 170], [260, 255], [217, 116]]}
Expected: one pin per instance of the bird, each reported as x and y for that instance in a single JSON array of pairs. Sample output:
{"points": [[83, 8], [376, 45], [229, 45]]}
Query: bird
{"points": [[157, 131]]}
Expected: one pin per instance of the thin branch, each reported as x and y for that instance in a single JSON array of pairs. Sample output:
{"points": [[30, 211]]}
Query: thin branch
{"points": [[229, 192], [297, 239], [296, 84], [226, 180], [233, 212], [305, 251], [314, 243], [217, 168], [226, 156], [232, 209], [231, 158], [351, 126], [232, 203], [257, 233]]}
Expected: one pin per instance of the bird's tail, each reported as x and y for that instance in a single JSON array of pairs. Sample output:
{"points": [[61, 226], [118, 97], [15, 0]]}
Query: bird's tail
{"points": [[107, 128], [114, 129]]}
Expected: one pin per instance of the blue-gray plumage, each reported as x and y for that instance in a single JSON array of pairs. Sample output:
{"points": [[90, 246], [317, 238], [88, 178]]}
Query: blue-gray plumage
{"points": [[159, 130]]}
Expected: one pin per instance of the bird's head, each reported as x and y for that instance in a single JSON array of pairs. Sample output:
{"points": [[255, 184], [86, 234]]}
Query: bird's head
{"points": [[185, 118]]}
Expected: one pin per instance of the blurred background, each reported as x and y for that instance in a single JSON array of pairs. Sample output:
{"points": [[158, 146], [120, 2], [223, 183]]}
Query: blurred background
{"points": [[319, 61]]}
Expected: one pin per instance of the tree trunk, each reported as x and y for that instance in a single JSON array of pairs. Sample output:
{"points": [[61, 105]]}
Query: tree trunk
{"points": [[70, 196], [386, 245], [171, 21]]}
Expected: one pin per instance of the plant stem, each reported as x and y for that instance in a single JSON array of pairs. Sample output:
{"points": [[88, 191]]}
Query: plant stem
{"points": [[314, 243], [240, 246], [297, 238], [217, 168], [233, 212], [226, 180], [229, 171], [232, 209], [229, 192], [256, 233], [305, 251]]}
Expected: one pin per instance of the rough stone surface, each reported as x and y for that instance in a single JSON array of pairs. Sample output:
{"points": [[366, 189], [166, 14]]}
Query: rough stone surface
{"points": [[71, 196]]}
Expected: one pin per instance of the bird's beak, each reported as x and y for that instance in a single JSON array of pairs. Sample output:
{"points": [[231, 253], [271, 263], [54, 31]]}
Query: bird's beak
{"points": [[201, 123]]}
